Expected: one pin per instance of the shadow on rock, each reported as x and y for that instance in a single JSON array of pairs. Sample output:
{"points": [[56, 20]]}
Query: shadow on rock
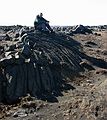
{"points": [[95, 61]]}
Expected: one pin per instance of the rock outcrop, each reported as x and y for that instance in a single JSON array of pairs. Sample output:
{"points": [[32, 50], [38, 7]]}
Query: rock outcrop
{"points": [[80, 29], [38, 63]]}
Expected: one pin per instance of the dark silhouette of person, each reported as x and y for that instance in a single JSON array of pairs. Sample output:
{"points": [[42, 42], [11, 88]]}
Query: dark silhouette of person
{"points": [[42, 24]]}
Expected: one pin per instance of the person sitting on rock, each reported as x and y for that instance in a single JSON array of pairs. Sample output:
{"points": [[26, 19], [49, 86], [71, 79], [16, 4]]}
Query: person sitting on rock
{"points": [[42, 24]]}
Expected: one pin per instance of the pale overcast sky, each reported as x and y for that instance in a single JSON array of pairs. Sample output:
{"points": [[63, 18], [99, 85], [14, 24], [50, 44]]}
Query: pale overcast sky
{"points": [[58, 12]]}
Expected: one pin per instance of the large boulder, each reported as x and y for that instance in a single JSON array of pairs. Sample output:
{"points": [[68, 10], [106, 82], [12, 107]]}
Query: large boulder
{"points": [[80, 29]]}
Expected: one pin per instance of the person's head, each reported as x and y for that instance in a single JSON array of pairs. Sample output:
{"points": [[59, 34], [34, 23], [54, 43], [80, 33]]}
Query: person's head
{"points": [[41, 14]]}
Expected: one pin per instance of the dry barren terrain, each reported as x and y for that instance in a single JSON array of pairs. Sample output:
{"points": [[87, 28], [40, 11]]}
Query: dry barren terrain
{"points": [[85, 100]]}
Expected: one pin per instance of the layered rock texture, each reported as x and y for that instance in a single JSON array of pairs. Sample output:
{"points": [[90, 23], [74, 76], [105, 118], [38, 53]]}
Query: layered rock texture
{"points": [[37, 63]]}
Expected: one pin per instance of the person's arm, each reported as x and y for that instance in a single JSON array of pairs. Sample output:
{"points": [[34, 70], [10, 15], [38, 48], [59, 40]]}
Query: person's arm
{"points": [[44, 19]]}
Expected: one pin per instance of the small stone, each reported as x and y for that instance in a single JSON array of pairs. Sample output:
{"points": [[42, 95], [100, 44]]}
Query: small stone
{"points": [[89, 81], [20, 113]]}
